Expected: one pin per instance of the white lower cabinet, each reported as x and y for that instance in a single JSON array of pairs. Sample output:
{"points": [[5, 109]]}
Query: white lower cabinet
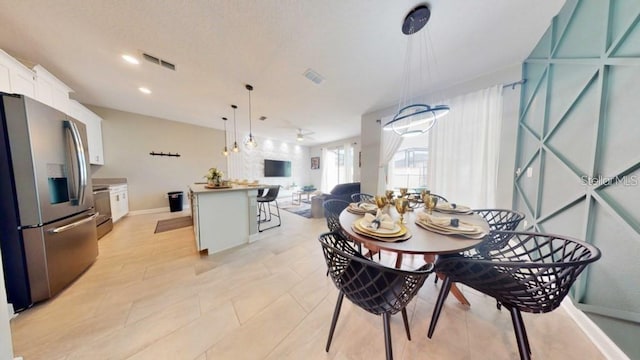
{"points": [[119, 196]]}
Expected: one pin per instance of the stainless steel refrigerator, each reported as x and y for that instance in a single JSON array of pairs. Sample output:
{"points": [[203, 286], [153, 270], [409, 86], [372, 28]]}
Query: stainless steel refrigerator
{"points": [[47, 222]]}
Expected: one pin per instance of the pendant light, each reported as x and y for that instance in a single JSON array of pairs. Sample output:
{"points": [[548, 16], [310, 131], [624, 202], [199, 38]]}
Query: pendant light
{"points": [[250, 142], [235, 131], [415, 118], [225, 152]]}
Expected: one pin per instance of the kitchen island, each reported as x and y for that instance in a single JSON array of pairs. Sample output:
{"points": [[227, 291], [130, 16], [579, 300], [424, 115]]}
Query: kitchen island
{"points": [[223, 218]]}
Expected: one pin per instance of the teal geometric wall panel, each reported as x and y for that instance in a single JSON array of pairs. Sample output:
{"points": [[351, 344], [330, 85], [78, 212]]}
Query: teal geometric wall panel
{"points": [[622, 105], [530, 147], [613, 240], [579, 132], [574, 132], [543, 49], [558, 187], [567, 85], [534, 115], [557, 224], [584, 38], [625, 11]]}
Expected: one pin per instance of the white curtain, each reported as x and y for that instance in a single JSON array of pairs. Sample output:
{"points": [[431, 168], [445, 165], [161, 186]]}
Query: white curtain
{"points": [[464, 149], [324, 165], [348, 162], [390, 142]]}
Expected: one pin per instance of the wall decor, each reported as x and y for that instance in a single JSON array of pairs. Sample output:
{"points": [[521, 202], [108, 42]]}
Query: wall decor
{"points": [[315, 163]]}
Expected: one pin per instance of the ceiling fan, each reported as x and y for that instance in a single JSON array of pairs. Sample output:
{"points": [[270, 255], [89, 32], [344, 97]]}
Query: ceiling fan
{"points": [[302, 134]]}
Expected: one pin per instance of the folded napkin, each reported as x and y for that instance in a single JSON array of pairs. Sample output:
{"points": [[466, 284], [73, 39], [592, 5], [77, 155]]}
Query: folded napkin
{"points": [[367, 206], [386, 222], [445, 222], [452, 207]]}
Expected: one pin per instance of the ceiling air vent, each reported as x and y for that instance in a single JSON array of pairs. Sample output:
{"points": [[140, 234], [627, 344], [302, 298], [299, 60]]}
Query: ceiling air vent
{"points": [[158, 61], [313, 76]]}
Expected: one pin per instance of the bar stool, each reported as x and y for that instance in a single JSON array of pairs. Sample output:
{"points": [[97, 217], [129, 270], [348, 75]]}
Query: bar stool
{"points": [[265, 214]]}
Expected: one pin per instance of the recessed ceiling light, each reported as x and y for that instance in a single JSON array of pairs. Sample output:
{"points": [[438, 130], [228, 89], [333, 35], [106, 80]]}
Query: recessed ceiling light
{"points": [[130, 59], [144, 90]]}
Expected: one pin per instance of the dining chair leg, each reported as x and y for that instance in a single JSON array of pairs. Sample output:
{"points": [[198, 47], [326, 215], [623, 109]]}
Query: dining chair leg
{"points": [[405, 319], [386, 320], [518, 328], [524, 332], [442, 296], [336, 313]]}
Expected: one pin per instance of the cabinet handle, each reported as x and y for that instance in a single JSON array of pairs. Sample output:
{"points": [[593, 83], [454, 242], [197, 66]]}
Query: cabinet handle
{"points": [[118, 197]]}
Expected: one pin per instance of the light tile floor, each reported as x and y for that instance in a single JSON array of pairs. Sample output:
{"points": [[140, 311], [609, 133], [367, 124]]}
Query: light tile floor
{"points": [[152, 296]]}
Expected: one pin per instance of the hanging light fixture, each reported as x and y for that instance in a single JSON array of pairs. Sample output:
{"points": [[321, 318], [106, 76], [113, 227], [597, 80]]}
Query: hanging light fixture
{"points": [[415, 118], [225, 152], [235, 131], [250, 142]]}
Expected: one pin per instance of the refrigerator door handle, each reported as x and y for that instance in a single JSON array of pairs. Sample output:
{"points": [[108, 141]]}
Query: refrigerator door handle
{"points": [[73, 224], [80, 159]]}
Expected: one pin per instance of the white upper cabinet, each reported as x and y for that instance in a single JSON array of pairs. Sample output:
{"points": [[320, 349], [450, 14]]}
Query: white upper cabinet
{"points": [[94, 130], [16, 78], [41, 85], [50, 90]]}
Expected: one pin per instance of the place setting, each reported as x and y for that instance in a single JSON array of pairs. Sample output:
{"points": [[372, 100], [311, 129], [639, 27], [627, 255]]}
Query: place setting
{"points": [[362, 208], [382, 226]]}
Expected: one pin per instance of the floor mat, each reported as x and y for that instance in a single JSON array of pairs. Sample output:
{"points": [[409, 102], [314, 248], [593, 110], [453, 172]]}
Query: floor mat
{"points": [[172, 224], [303, 209]]}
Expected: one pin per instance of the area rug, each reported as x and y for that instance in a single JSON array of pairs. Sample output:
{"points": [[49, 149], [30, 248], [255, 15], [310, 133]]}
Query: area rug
{"points": [[172, 224], [303, 209]]}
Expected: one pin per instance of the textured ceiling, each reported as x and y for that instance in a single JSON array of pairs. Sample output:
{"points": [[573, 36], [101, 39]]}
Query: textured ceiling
{"points": [[218, 46]]}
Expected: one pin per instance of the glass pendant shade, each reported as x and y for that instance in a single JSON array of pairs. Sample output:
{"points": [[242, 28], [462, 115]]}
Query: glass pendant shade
{"points": [[250, 142], [225, 151], [235, 132]]}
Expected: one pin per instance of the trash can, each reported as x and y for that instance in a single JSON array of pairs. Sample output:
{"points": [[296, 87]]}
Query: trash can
{"points": [[175, 200]]}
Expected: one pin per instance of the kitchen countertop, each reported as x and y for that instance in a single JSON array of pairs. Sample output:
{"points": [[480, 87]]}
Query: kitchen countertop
{"points": [[199, 188], [109, 181]]}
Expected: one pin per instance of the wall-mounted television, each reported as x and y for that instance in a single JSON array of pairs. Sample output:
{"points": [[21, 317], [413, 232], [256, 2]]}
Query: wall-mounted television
{"points": [[277, 168]]}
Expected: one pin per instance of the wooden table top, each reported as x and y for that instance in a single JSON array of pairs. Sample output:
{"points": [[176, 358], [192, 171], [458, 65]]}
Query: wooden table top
{"points": [[422, 241]]}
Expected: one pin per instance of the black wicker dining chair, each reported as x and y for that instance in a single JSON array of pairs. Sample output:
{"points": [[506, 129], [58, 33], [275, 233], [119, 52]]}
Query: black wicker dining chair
{"points": [[371, 286], [362, 197], [498, 220], [332, 210], [532, 272]]}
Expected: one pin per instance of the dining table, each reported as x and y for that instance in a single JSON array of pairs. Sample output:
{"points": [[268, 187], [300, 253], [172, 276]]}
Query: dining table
{"points": [[422, 242]]}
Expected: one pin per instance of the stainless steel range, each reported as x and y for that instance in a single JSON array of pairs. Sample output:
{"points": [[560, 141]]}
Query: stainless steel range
{"points": [[102, 205]]}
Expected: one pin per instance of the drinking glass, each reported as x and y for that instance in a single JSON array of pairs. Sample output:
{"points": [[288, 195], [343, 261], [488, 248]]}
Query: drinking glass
{"points": [[401, 206], [381, 202], [389, 195], [403, 192], [430, 202]]}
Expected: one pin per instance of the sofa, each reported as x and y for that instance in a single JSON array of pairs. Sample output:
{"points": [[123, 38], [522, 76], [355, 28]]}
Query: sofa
{"points": [[340, 192]]}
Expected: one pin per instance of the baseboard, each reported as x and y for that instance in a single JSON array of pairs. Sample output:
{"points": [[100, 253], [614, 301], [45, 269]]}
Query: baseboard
{"points": [[154, 211], [608, 348]]}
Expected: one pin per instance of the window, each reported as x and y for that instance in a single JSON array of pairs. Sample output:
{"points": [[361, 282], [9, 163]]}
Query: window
{"points": [[409, 166], [337, 172]]}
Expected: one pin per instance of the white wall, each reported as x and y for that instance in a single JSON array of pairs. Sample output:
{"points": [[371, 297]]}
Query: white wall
{"points": [[249, 164], [370, 131]]}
